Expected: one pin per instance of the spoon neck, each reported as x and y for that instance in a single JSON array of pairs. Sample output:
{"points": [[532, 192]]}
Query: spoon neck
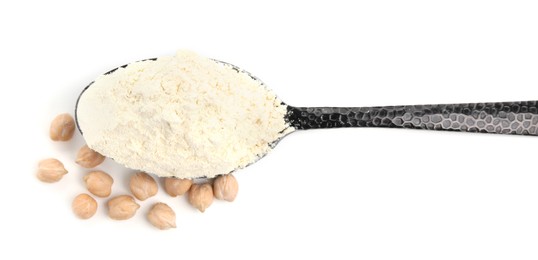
{"points": [[330, 117]]}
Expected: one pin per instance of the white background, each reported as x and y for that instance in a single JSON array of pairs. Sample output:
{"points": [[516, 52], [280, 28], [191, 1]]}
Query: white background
{"points": [[336, 194]]}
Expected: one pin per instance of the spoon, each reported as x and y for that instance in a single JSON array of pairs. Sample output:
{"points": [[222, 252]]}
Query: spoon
{"points": [[514, 118]]}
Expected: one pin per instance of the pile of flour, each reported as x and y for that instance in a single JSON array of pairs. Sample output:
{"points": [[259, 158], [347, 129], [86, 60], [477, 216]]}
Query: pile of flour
{"points": [[185, 116]]}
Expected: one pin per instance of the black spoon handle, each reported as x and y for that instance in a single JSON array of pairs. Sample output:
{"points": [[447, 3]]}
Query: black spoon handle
{"points": [[520, 118]]}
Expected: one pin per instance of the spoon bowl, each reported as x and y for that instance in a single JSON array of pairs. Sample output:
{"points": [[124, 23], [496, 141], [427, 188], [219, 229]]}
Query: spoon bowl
{"points": [[258, 156]]}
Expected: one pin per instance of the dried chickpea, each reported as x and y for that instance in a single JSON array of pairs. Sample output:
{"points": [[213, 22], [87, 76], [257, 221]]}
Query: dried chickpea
{"points": [[84, 206], [50, 170], [62, 128], [162, 216], [201, 196], [89, 158], [225, 187], [176, 187], [122, 207], [99, 183], [143, 186]]}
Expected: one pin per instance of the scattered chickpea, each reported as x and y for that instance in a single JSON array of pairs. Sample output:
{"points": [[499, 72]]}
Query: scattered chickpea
{"points": [[162, 216], [84, 206], [50, 170], [176, 187], [225, 187], [89, 158], [201, 196], [62, 128], [122, 207], [143, 186], [99, 183]]}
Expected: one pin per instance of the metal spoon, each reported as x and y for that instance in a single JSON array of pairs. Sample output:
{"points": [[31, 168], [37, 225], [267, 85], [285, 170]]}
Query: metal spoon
{"points": [[515, 118]]}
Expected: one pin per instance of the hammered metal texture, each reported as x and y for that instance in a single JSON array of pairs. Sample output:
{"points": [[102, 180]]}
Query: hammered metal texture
{"points": [[519, 118]]}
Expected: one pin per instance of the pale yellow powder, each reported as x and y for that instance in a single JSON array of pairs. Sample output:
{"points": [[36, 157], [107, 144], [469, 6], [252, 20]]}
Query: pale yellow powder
{"points": [[185, 116]]}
